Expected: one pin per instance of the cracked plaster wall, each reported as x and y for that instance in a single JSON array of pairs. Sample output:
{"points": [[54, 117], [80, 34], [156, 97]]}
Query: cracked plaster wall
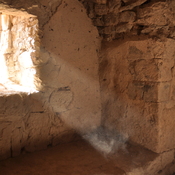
{"points": [[67, 65], [137, 69]]}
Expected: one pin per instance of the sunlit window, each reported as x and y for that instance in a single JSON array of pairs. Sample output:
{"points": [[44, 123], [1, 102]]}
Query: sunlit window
{"points": [[18, 48]]}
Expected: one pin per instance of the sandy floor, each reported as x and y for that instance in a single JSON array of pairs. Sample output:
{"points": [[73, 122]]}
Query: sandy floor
{"points": [[80, 158], [76, 158]]}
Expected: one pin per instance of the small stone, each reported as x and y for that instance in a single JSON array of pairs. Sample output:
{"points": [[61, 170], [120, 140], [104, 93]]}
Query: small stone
{"points": [[114, 5], [127, 16], [124, 28], [111, 19], [109, 29]]}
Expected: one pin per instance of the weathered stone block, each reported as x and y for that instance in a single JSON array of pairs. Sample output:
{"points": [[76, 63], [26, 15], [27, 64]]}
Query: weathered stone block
{"points": [[101, 9], [107, 30], [111, 19], [127, 16], [123, 28], [167, 157], [114, 5], [157, 14], [98, 21]]}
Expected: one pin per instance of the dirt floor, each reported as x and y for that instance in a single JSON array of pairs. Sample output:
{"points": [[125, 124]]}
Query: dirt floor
{"points": [[76, 158], [79, 158]]}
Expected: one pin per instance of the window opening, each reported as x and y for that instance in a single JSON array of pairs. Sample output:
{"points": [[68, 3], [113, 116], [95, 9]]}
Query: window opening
{"points": [[18, 48]]}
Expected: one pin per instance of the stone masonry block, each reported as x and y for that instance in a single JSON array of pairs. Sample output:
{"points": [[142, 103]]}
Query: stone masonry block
{"points": [[111, 19], [101, 9], [98, 21], [157, 14], [106, 30], [124, 28], [167, 157], [127, 16]]}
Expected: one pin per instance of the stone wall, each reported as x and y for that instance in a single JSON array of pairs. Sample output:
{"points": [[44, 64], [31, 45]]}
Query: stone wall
{"points": [[68, 101], [137, 70], [136, 81], [117, 18]]}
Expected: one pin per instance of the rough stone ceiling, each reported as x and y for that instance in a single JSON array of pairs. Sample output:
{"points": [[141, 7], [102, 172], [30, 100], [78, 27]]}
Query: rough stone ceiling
{"points": [[118, 18]]}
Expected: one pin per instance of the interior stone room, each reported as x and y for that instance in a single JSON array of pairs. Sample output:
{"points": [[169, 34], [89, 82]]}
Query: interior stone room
{"points": [[87, 87]]}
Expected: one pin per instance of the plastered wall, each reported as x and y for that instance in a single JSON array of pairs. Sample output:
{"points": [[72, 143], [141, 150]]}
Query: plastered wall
{"points": [[137, 69], [136, 84], [68, 101]]}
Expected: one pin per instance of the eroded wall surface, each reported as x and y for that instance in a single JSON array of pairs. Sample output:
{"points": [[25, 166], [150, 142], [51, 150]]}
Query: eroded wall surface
{"points": [[68, 101], [137, 70], [136, 81]]}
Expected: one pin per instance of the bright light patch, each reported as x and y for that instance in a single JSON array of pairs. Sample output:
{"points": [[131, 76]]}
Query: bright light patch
{"points": [[3, 69], [17, 47]]}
